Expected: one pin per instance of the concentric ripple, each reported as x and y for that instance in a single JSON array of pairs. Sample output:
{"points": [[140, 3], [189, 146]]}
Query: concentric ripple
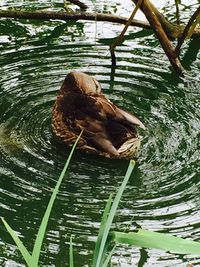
{"points": [[163, 194]]}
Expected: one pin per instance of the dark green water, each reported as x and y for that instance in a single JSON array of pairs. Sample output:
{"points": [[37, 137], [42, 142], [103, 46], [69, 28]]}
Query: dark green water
{"points": [[163, 193]]}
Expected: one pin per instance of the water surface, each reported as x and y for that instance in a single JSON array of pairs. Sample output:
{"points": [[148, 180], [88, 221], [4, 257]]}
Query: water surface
{"points": [[163, 193]]}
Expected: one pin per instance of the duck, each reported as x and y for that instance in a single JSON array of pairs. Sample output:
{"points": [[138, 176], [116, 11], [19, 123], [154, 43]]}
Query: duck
{"points": [[107, 130]]}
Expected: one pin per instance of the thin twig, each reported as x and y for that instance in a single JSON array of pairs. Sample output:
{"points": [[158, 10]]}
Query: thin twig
{"points": [[177, 2], [120, 38], [189, 29]]}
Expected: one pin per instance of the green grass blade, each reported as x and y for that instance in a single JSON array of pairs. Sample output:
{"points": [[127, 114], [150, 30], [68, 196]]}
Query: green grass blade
{"points": [[71, 257], [102, 229], [112, 213], [43, 226], [149, 239], [26, 255], [107, 260]]}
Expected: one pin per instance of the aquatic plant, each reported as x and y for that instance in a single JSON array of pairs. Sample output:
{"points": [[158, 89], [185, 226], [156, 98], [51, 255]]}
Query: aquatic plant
{"points": [[102, 252], [33, 259]]}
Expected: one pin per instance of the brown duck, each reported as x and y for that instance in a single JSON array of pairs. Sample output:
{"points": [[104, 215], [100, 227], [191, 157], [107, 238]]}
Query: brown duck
{"points": [[107, 129]]}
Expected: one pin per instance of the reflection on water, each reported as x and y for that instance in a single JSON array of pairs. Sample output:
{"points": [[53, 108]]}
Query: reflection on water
{"points": [[163, 193]]}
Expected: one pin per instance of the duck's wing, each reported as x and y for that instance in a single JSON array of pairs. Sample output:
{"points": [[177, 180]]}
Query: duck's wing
{"points": [[98, 112], [127, 117], [88, 114], [118, 114]]}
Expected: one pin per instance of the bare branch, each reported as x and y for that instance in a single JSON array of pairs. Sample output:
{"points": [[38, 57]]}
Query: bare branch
{"points": [[189, 28], [52, 15], [151, 15], [173, 31]]}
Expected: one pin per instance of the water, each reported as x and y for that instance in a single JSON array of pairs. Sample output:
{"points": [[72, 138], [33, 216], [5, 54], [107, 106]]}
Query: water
{"points": [[163, 194]]}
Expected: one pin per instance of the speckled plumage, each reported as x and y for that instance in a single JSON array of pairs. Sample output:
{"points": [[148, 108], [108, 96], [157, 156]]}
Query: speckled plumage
{"points": [[107, 130]]}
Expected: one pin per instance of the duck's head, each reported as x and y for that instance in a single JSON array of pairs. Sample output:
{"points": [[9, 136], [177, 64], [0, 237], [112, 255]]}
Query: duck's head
{"points": [[81, 82]]}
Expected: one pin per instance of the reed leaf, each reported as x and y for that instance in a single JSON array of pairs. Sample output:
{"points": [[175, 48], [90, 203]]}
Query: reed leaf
{"points": [[43, 226], [163, 241], [71, 257], [107, 260], [101, 252], [26, 255], [102, 228]]}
